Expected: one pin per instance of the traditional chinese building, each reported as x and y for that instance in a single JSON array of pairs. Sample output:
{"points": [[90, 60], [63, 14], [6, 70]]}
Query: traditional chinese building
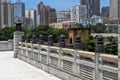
{"points": [[83, 32]]}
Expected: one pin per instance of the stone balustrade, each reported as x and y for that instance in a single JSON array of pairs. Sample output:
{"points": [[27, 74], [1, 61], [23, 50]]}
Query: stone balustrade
{"points": [[6, 45], [68, 64]]}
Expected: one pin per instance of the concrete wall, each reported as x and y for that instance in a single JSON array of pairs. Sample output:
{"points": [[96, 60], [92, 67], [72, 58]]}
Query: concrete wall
{"points": [[68, 64], [6, 45]]}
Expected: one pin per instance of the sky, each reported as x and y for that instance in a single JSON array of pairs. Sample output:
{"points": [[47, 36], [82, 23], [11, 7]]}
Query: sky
{"points": [[59, 5]]}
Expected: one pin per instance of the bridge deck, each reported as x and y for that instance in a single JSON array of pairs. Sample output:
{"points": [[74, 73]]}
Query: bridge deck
{"points": [[15, 69]]}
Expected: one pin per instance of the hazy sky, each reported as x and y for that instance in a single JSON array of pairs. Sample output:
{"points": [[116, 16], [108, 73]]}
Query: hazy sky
{"points": [[58, 4]]}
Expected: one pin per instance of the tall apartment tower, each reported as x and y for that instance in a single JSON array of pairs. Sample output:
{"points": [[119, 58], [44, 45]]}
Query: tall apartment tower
{"points": [[19, 11], [8, 1], [78, 12], [93, 7], [105, 11], [115, 8], [63, 16], [30, 16], [6, 13], [47, 14]]}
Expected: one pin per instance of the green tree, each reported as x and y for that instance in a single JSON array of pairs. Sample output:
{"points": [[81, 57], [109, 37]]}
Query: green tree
{"points": [[79, 25], [98, 28], [112, 47], [6, 33], [57, 32], [45, 30], [89, 44]]}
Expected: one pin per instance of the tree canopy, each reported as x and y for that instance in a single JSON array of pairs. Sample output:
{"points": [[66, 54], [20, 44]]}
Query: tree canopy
{"points": [[45, 30], [88, 45]]}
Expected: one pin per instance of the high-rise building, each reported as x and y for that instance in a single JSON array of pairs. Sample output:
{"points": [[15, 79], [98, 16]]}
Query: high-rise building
{"points": [[6, 13], [8, 1], [38, 19], [47, 14], [105, 11], [78, 12], [63, 16], [30, 16], [93, 7], [19, 11], [115, 8]]}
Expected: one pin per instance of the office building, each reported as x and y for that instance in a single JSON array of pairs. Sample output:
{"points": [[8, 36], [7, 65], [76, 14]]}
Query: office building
{"points": [[63, 16], [38, 19], [105, 11], [19, 11], [47, 14], [6, 13], [115, 8], [93, 7], [30, 16], [78, 12]]}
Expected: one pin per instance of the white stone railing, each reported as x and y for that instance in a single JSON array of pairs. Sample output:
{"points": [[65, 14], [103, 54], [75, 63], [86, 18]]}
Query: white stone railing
{"points": [[62, 61], [105, 34], [6, 45]]}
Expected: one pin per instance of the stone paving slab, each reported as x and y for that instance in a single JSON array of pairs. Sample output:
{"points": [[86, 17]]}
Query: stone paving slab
{"points": [[15, 69]]}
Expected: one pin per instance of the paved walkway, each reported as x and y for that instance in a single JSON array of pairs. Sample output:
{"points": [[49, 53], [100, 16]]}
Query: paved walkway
{"points": [[15, 69]]}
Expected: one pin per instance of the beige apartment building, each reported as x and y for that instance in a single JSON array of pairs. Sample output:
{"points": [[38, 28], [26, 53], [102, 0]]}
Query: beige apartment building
{"points": [[30, 16], [63, 25], [47, 14], [6, 13], [115, 8]]}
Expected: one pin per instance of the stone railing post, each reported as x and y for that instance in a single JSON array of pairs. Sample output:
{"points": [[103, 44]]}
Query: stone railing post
{"points": [[28, 40], [17, 38], [77, 46], [62, 41], [41, 42], [50, 43], [41, 39], [26, 46], [22, 53], [119, 52], [33, 39], [33, 54], [50, 40], [98, 74], [61, 45], [32, 42]]}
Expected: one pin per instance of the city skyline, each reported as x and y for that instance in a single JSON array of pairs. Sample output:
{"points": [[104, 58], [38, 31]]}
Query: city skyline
{"points": [[92, 6], [65, 3], [47, 9]]}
